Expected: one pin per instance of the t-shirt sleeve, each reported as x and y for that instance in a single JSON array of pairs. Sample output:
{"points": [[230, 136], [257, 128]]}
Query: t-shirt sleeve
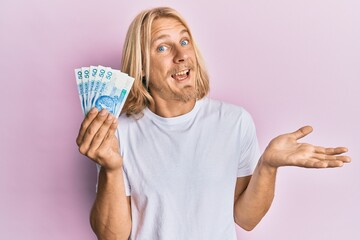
{"points": [[126, 184], [249, 146], [126, 181]]}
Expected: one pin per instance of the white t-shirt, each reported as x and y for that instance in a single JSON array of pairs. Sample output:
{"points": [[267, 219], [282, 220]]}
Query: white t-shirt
{"points": [[181, 172]]}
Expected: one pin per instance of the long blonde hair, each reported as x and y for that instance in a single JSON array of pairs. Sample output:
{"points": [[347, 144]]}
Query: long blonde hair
{"points": [[136, 59]]}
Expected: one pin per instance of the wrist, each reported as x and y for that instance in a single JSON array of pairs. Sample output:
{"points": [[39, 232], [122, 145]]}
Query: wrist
{"points": [[266, 166], [112, 164], [111, 172]]}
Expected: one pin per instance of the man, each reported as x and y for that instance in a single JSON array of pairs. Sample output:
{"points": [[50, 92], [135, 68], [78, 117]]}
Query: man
{"points": [[182, 166]]}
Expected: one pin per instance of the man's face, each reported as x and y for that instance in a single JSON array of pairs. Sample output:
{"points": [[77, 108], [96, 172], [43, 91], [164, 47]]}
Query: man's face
{"points": [[172, 61]]}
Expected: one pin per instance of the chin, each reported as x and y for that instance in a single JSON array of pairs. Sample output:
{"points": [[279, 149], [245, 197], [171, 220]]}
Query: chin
{"points": [[188, 93]]}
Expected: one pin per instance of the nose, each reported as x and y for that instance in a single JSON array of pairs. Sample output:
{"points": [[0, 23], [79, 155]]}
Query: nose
{"points": [[180, 55]]}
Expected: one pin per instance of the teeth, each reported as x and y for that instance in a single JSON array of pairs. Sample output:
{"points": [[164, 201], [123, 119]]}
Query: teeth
{"points": [[181, 73]]}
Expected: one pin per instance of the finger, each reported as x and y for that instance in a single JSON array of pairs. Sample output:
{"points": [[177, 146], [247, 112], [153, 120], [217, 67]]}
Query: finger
{"points": [[338, 150], [101, 133], [302, 132], [325, 157], [113, 126], [109, 148], [321, 156], [107, 141], [92, 129], [332, 164], [110, 133], [85, 124], [345, 159], [314, 163], [331, 151], [319, 149]]}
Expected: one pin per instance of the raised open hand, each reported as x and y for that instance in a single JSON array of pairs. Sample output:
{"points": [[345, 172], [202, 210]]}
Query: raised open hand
{"points": [[284, 150]]}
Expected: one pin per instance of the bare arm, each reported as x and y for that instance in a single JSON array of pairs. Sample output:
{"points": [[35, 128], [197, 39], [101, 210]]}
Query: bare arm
{"points": [[110, 216], [252, 202]]}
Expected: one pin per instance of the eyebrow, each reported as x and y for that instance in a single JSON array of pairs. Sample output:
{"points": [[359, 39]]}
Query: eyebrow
{"points": [[167, 36]]}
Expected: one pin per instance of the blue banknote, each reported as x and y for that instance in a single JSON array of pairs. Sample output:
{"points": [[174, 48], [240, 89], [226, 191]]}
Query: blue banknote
{"points": [[97, 86], [102, 87], [80, 86], [86, 76], [92, 76]]}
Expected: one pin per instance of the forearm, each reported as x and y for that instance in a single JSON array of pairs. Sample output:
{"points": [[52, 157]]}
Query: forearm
{"points": [[111, 216], [252, 205]]}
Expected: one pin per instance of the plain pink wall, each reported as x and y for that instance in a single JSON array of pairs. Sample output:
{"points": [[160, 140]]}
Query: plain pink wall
{"points": [[289, 63]]}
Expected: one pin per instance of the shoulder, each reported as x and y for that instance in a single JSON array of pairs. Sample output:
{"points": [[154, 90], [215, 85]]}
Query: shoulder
{"points": [[125, 122], [132, 118], [225, 110]]}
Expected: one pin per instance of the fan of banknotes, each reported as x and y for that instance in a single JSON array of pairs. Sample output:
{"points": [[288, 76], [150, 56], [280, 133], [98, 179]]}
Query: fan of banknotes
{"points": [[102, 87]]}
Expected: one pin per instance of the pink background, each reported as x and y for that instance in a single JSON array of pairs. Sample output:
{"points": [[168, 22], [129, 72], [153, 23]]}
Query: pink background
{"points": [[289, 63]]}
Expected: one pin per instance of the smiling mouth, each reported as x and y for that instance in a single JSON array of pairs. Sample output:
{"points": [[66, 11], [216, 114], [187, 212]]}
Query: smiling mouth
{"points": [[182, 75]]}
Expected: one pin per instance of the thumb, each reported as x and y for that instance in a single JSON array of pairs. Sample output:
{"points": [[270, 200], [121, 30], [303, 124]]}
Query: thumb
{"points": [[302, 132]]}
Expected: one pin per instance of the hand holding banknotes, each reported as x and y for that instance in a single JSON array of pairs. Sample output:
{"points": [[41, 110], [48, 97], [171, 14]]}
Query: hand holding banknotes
{"points": [[102, 92], [97, 140]]}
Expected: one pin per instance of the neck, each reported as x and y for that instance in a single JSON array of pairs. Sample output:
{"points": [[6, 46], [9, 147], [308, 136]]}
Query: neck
{"points": [[171, 108]]}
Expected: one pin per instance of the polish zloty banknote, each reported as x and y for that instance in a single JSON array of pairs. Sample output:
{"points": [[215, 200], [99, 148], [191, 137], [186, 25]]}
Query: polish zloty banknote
{"points": [[98, 84], [127, 84], [92, 76], [102, 87], [114, 91], [86, 76], [80, 86]]}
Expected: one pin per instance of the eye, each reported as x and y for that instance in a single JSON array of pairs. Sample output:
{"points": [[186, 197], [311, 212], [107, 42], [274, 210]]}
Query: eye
{"points": [[162, 49], [184, 42]]}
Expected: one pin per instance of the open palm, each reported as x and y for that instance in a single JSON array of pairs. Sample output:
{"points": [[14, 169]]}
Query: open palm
{"points": [[285, 150]]}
